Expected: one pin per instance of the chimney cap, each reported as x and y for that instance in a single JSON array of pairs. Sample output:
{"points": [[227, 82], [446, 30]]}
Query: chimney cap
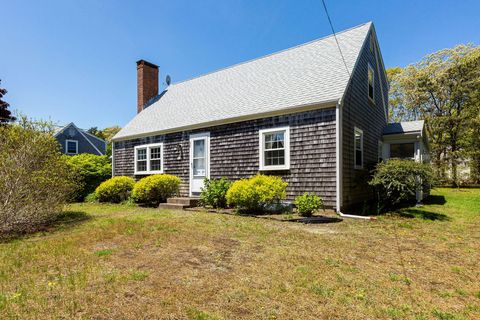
{"points": [[144, 62]]}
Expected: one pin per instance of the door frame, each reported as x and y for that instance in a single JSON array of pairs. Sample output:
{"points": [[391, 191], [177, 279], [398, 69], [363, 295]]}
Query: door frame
{"points": [[192, 138]]}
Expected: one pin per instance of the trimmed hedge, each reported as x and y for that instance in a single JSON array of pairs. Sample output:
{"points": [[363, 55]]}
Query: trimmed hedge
{"points": [[155, 189], [257, 193], [116, 189]]}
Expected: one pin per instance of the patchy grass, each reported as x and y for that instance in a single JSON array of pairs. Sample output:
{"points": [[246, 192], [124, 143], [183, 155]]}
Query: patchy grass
{"points": [[118, 261]]}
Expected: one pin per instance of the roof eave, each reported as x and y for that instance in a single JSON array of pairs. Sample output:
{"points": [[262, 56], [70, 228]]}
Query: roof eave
{"points": [[307, 107]]}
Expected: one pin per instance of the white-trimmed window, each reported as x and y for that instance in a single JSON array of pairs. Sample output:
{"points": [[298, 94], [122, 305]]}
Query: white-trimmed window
{"points": [[358, 147], [275, 149], [71, 146], [149, 158], [371, 83], [402, 150]]}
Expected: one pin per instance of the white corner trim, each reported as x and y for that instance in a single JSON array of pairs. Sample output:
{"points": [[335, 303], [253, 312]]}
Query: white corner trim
{"points": [[339, 160], [113, 158], [66, 146], [261, 140], [148, 147]]}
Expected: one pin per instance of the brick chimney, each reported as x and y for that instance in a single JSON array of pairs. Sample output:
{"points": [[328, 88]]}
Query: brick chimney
{"points": [[147, 83]]}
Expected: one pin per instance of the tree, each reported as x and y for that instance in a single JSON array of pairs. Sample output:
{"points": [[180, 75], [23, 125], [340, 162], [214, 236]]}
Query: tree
{"points": [[97, 133], [105, 134], [442, 89], [108, 133], [35, 181], [5, 114]]}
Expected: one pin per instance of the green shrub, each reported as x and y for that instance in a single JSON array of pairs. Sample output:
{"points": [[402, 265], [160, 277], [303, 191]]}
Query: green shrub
{"points": [[35, 181], [155, 189], [396, 181], [91, 169], [307, 204], [256, 193], [91, 197], [214, 192], [116, 189]]}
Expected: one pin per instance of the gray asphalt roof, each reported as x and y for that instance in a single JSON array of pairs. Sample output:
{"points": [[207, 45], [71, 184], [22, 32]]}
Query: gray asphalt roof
{"points": [[312, 73], [404, 127]]}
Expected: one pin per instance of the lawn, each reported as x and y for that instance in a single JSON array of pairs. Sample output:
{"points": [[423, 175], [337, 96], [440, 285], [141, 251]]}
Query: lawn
{"points": [[124, 262]]}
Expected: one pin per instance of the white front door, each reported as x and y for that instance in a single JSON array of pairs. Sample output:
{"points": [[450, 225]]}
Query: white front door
{"points": [[199, 161]]}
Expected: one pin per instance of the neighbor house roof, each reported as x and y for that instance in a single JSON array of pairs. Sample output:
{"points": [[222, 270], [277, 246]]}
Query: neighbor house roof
{"points": [[305, 75], [404, 127], [88, 136]]}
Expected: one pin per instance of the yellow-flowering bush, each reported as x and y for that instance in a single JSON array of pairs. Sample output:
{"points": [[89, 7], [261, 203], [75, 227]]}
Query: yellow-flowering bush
{"points": [[155, 189], [256, 193], [116, 189]]}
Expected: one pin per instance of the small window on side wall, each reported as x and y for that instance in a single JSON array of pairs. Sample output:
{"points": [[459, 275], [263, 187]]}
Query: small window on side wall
{"points": [[371, 83], [358, 147], [402, 150], [71, 147], [275, 149]]}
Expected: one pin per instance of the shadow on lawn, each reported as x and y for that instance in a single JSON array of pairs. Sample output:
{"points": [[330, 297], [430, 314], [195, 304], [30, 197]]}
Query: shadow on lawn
{"points": [[65, 220], [69, 219], [434, 199], [422, 214]]}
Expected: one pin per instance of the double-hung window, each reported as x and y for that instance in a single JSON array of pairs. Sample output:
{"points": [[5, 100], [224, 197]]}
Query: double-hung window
{"points": [[71, 146], [149, 158], [275, 149], [358, 146], [371, 83]]}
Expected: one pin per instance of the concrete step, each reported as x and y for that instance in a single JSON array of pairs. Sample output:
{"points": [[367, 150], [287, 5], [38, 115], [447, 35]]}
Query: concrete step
{"points": [[172, 206], [188, 202]]}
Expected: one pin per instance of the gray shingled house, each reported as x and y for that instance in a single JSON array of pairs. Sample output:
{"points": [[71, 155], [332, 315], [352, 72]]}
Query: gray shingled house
{"points": [[74, 140], [303, 113]]}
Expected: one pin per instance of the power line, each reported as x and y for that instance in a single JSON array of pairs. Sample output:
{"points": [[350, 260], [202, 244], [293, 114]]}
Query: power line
{"points": [[335, 36]]}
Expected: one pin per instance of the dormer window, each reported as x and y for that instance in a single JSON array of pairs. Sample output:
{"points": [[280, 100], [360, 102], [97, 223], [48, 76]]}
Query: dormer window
{"points": [[371, 83]]}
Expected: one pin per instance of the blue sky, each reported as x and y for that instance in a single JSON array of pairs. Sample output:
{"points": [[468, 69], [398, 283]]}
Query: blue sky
{"points": [[74, 61]]}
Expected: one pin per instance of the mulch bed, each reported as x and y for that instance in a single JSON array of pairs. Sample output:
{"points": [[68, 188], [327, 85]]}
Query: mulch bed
{"points": [[327, 216]]}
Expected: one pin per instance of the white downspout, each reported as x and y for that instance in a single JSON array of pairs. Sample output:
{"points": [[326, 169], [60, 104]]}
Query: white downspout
{"points": [[338, 147]]}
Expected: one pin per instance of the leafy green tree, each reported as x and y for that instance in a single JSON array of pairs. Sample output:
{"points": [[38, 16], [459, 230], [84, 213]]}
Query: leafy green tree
{"points": [[97, 133], [108, 134], [5, 114], [91, 170], [442, 89]]}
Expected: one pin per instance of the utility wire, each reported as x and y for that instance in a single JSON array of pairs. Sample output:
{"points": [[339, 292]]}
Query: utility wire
{"points": [[335, 36]]}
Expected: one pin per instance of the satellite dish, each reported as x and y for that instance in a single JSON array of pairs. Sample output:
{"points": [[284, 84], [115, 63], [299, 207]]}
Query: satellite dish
{"points": [[168, 80]]}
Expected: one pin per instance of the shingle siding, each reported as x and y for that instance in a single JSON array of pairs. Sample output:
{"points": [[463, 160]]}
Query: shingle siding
{"points": [[359, 111], [234, 152]]}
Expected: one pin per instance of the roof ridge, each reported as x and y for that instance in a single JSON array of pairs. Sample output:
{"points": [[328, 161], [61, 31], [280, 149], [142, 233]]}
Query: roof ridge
{"points": [[271, 54]]}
